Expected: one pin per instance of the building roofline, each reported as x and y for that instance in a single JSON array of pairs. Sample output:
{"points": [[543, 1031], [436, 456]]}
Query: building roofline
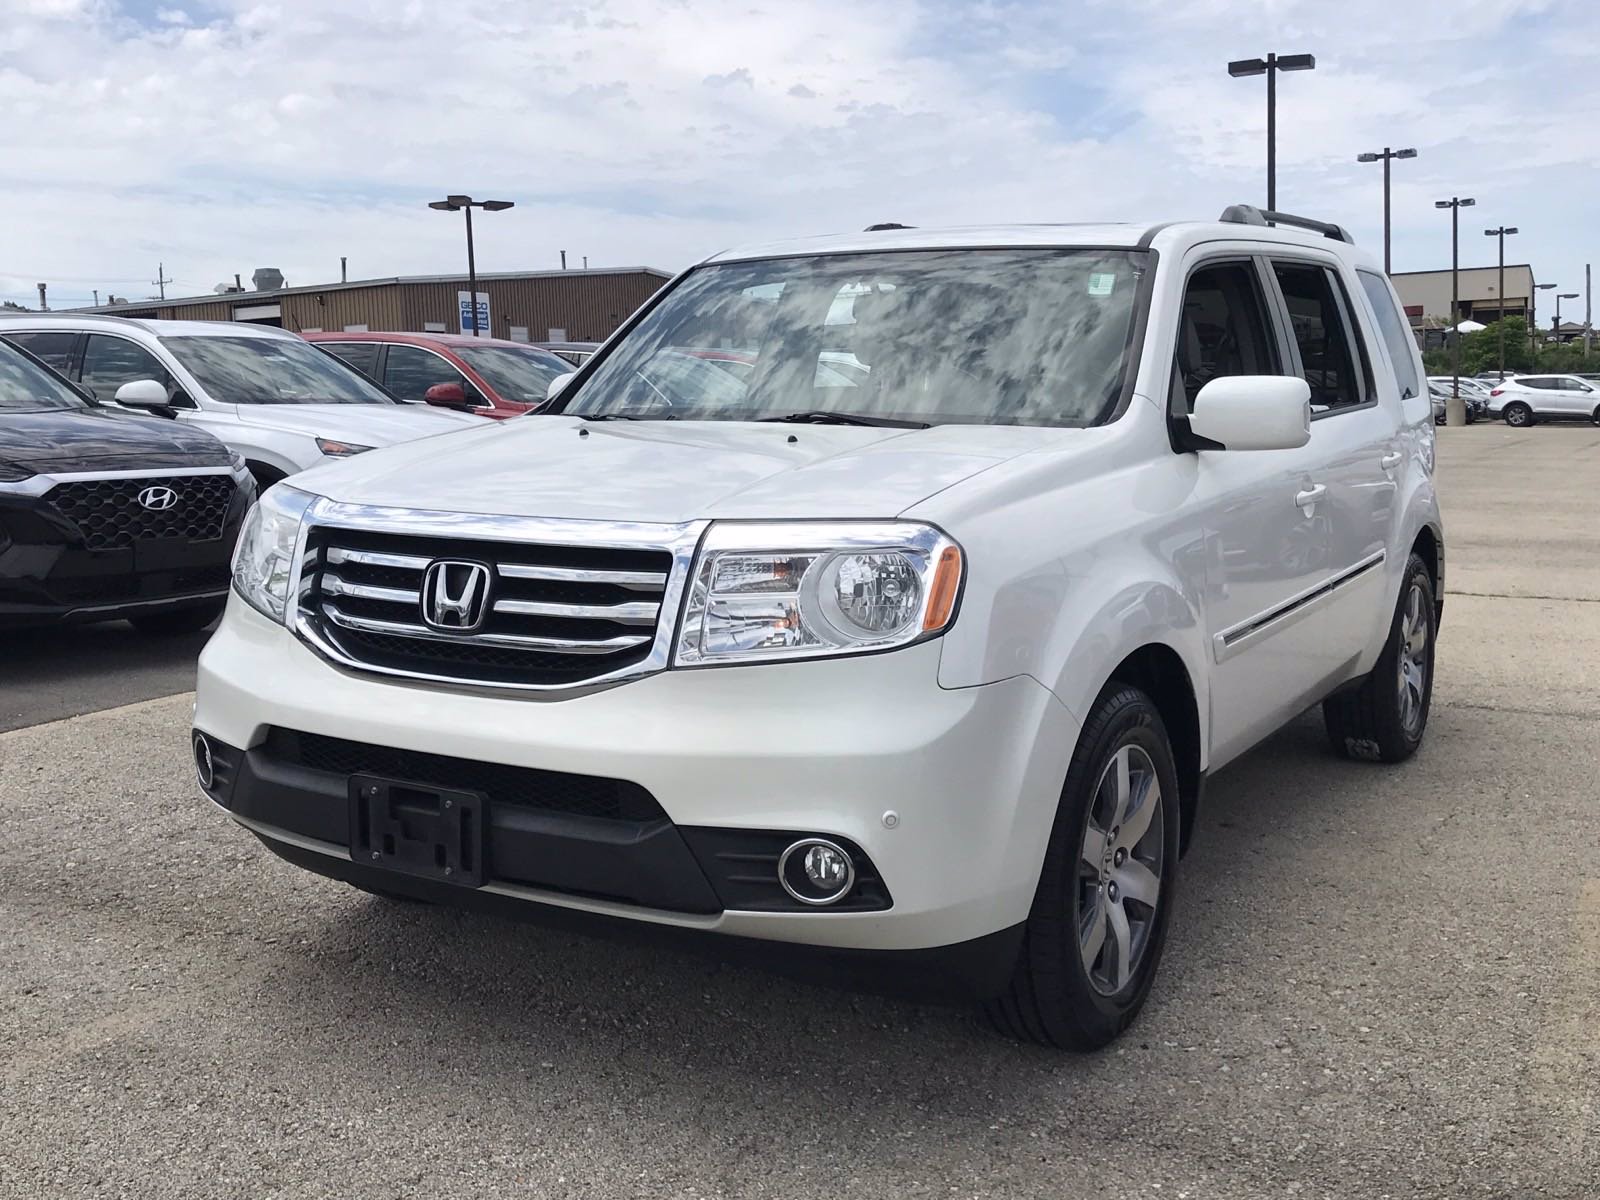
{"points": [[251, 297], [1446, 270]]}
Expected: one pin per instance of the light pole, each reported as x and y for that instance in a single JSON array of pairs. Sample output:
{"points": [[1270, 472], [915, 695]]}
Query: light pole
{"points": [[467, 204], [1385, 158], [1555, 326], [1502, 233], [1455, 413], [1270, 66]]}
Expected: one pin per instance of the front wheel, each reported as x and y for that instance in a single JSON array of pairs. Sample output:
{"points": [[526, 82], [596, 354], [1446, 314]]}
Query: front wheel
{"points": [[1384, 718], [1094, 936], [1594, 417], [1519, 415]]}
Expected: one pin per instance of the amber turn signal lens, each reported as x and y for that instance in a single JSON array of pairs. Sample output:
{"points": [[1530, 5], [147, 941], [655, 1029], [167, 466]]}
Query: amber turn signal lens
{"points": [[942, 595]]}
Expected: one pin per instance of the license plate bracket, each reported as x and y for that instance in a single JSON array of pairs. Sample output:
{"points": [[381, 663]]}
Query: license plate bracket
{"points": [[418, 829]]}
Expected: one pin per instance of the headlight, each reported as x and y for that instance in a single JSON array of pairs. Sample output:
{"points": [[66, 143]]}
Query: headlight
{"points": [[337, 449], [791, 590], [263, 562]]}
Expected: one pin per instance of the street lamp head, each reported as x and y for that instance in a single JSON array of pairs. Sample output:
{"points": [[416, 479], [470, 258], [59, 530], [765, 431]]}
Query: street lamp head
{"points": [[496, 205], [459, 201], [1467, 203], [1409, 152], [443, 205], [1509, 229], [1566, 295], [1544, 287], [1368, 157], [1297, 62], [1247, 66], [1444, 203]]}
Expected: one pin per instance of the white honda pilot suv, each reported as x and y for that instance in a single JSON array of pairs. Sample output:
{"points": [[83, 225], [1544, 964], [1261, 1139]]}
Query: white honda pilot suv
{"points": [[879, 602]]}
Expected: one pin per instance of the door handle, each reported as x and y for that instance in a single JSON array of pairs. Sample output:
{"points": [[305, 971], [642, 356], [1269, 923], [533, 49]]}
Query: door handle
{"points": [[1311, 495], [1390, 461]]}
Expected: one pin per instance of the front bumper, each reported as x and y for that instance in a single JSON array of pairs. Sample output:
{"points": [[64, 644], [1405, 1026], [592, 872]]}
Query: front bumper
{"points": [[971, 776]]}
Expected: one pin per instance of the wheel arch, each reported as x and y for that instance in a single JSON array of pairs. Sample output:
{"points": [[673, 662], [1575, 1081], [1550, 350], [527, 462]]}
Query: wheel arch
{"points": [[1159, 672]]}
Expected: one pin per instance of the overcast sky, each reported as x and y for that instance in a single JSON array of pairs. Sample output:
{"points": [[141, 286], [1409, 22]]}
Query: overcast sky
{"points": [[218, 136]]}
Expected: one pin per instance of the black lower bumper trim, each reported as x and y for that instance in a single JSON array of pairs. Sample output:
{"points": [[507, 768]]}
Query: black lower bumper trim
{"points": [[959, 973]]}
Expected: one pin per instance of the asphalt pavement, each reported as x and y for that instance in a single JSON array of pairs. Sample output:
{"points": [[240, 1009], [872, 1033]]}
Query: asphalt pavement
{"points": [[1381, 982]]}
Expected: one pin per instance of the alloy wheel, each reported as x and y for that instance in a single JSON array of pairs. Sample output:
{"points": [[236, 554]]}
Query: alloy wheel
{"points": [[1119, 870], [1413, 660]]}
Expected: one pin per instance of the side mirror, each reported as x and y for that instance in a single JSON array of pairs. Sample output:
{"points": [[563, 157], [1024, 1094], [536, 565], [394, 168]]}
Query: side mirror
{"points": [[557, 384], [448, 395], [145, 394], [1253, 412]]}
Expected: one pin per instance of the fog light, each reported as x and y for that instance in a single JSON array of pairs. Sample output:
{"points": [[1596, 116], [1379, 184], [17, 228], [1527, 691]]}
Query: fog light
{"points": [[204, 767], [817, 872]]}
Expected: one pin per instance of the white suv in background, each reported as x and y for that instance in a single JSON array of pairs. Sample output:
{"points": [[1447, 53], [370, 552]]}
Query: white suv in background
{"points": [[915, 669], [281, 403], [1528, 398]]}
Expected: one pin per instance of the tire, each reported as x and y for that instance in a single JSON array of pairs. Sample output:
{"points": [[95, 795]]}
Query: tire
{"points": [[1055, 997], [1594, 417], [1517, 414], [1385, 717], [190, 619], [265, 475]]}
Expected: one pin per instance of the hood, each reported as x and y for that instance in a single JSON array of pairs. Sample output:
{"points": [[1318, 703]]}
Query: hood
{"points": [[669, 472], [103, 439], [363, 424]]}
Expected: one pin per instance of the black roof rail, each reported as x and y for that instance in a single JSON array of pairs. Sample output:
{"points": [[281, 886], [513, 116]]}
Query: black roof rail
{"points": [[1249, 214], [882, 225]]}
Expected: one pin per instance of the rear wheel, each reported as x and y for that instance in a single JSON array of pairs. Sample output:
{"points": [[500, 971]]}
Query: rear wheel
{"points": [[1518, 414], [1094, 936], [189, 619], [1383, 719]]}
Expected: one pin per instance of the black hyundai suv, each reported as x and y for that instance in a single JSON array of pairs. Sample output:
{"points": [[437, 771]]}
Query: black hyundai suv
{"points": [[106, 514]]}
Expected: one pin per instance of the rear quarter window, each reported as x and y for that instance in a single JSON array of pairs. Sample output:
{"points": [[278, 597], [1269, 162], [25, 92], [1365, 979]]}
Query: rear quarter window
{"points": [[1396, 333]]}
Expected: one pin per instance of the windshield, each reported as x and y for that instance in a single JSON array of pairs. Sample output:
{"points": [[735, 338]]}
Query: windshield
{"points": [[513, 373], [25, 386], [994, 337], [271, 370]]}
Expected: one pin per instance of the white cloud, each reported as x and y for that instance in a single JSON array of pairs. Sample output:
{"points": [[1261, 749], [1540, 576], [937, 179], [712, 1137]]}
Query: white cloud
{"points": [[294, 131]]}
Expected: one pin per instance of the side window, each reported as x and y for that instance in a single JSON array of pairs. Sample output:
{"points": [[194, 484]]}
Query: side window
{"points": [[1323, 333], [411, 371], [1396, 335], [53, 349], [1223, 330], [110, 362], [363, 356]]}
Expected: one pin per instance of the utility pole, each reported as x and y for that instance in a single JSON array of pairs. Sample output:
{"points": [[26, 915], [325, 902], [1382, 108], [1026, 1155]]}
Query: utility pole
{"points": [[1500, 325], [1455, 412], [43, 305], [161, 279], [1588, 323]]}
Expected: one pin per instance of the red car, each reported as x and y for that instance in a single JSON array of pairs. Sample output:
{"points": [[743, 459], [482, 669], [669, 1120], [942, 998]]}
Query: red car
{"points": [[490, 376]]}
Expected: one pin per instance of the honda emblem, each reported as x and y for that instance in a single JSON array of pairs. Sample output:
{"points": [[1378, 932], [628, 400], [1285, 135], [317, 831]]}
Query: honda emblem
{"points": [[455, 595]]}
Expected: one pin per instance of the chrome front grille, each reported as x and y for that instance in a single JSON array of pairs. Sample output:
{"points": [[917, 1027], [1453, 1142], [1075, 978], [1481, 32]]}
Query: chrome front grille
{"points": [[552, 615]]}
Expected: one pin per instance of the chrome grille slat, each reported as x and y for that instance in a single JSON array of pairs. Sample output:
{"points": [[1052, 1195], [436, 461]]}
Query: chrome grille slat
{"points": [[336, 586], [622, 614], [628, 579], [374, 558], [524, 641]]}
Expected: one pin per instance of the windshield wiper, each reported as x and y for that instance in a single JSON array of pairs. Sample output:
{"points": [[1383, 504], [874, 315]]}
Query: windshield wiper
{"points": [[613, 416], [823, 416]]}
